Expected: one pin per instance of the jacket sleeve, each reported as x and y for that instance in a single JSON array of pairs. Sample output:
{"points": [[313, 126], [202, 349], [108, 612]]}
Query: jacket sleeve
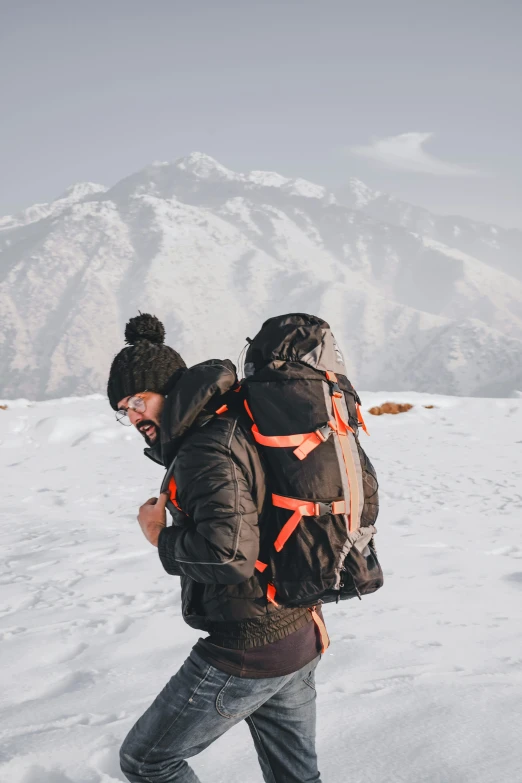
{"points": [[220, 542]]}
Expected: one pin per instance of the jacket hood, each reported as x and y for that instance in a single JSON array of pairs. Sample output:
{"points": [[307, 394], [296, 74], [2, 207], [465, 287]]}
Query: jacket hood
{"points": [[194, 394]]}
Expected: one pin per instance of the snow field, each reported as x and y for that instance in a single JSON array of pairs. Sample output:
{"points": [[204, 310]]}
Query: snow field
{"points": [[422, 682]]}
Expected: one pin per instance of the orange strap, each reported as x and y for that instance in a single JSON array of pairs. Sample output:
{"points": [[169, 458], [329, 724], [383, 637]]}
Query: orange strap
{"points": [[312, 440], [351, 471], [270, 590], [305, 443], [223, 409], [360, 418], [173, 492], [277, 441], [301, 508], [270, 594], [321, 627], [331, 376], [343, 428]]}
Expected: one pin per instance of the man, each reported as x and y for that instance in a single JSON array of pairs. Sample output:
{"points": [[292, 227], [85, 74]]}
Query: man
{"points": [[258, 661]]}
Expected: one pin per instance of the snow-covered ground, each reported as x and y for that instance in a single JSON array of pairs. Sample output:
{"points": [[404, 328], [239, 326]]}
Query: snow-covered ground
{"points": [[423, 680]]}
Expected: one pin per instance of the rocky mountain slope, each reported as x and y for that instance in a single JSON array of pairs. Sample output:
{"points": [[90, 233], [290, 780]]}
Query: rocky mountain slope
{"points": [[497, 246], [213, 253]]}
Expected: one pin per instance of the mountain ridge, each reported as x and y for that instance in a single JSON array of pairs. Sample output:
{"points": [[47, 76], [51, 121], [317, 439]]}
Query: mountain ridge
{"points": [[214, 252]]}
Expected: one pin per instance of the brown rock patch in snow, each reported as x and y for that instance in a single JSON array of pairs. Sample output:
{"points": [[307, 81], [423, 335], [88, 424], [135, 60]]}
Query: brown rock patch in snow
{"points": [[390, 407]]}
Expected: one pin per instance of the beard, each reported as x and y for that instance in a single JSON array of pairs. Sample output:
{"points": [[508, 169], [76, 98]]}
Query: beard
{"points": [[150, 440]]}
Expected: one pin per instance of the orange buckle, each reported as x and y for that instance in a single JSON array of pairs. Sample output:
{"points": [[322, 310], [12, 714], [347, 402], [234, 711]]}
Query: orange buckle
{"points": [[334, 507], [326, 430], [303, 443], [302, 508], [314, 439], [321, 509], [335, 389]]}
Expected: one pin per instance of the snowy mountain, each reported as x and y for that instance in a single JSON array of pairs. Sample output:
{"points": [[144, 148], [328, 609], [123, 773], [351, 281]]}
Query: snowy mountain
{"points": [[79, 192], [214, 252], [499, 247]]}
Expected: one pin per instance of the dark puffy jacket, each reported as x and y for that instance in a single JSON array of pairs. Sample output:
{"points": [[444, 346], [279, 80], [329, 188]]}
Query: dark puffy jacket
{"points": [[213, 543]]}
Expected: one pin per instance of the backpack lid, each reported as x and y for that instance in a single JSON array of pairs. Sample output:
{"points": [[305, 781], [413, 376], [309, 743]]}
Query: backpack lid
{"points": [[296, 337]]}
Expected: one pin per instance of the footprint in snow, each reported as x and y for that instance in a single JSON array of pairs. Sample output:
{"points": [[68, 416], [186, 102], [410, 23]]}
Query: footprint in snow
{"points": [[510, 551], [75, 681], [106, 761], [392, 682], [91, 719], [37, 774], [14, 630], [118, 626], [70, 655]]}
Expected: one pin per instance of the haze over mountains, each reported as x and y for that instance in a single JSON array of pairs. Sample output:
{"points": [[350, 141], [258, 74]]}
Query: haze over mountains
{"points": [[417, 301]]}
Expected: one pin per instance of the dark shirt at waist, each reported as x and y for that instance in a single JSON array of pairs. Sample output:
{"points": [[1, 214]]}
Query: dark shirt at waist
{"points": [[277, 659]]}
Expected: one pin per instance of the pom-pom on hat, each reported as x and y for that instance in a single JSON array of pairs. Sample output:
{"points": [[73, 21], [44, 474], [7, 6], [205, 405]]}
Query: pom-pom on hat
{"points": [[146, 364]]}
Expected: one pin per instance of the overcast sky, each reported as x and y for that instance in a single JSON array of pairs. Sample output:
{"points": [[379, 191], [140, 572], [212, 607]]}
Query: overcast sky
{"points": [[422, 99]]}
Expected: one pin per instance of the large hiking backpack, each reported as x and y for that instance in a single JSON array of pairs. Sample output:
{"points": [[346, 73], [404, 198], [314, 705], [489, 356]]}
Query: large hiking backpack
{"points": [[317, 540]]}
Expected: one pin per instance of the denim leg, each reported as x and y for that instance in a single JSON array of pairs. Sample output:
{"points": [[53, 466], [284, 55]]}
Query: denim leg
{"points": [[198, 705], [178, 724], [283, 730]]}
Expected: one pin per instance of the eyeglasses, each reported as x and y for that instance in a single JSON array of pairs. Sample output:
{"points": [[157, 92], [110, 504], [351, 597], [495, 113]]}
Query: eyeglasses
{"points": [[137, 404]]}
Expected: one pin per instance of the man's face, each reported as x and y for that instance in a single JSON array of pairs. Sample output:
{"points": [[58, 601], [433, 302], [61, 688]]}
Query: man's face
{"points": [[146, 421]]}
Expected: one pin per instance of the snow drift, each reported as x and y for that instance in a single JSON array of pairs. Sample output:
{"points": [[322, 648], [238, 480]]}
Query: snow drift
{"points": [[422, 682]]}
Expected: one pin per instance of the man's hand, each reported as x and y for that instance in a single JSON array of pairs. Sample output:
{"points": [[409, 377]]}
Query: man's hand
{"points": [[153, 517]]}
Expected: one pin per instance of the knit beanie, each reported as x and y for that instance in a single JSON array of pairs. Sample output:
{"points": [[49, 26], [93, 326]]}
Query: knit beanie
{"points": [[146, 364]]}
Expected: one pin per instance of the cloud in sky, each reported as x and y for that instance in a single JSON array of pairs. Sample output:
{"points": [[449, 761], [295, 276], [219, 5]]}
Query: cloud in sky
{"points": [[405, 152]]}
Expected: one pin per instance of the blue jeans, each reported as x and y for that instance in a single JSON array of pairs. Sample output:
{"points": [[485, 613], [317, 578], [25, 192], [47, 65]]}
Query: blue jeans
{"points": [[200, 703]]}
